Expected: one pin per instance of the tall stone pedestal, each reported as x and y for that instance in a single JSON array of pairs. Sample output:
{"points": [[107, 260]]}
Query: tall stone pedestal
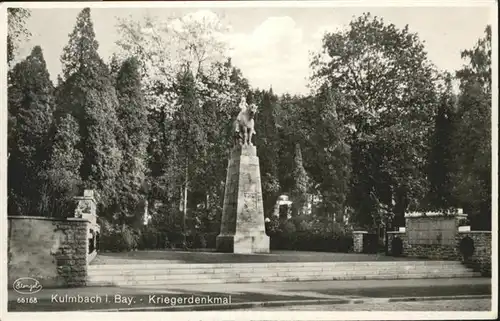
{"points": [[242, 225]]}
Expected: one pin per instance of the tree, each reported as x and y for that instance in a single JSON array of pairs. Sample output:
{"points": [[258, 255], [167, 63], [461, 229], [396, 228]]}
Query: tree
{"points": [[80, 54], [16, 19], [88, 94], [267, 140], [473, 134], [165, 47], [441, 158], [187, 138], [301, 186], [132, 140], [385, 79], [331, 168], [31, 104], [62, 177]]}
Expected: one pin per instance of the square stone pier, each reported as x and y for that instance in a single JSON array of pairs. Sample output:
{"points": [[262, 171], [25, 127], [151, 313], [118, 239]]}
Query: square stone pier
{"points": [[242, 225]]}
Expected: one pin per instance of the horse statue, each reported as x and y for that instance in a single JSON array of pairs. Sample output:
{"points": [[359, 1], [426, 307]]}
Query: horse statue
{"points": [[244, 124]]}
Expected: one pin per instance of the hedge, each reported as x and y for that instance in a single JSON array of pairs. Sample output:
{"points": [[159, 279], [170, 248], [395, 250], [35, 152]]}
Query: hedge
{"points": [[305, 241]]}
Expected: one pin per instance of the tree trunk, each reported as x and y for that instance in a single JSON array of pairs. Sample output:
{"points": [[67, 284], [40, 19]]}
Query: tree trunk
{"points": [[184, 210]]}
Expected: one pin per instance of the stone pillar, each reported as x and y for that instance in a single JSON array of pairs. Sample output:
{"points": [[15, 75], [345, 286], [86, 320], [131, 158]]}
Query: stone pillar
{"points": [[86, 206], [242, 225], [87, 209], [358, 241]]}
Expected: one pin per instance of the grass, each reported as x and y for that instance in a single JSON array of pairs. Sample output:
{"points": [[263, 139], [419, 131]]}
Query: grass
{"points": [[214, 257]]}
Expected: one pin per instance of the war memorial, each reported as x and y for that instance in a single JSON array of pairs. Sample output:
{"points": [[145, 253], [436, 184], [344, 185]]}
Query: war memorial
{"points": [[250, 157], [55, 254]]}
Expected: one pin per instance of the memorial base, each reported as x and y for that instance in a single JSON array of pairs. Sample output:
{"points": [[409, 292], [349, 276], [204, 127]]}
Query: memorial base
{"points": [[242, 223], [243, 244]]}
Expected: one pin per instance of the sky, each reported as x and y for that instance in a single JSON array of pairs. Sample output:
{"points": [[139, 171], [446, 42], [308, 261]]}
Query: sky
{"points": [[272, 46]]}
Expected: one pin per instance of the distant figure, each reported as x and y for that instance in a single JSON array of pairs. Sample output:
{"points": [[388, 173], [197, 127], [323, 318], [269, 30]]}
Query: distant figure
{"points": [[244, 124]]}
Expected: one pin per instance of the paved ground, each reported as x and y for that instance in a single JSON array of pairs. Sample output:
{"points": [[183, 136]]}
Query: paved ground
{"points": [[440, 305], [215, 257], [239, 295]]}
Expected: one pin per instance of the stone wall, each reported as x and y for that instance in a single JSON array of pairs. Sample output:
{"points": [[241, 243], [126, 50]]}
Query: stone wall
{"points": [[481, 257], [429, 235], [52, 251], [432, 251]]}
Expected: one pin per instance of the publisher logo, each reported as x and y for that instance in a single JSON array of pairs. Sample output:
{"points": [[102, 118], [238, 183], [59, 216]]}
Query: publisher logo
{"points": [[27, 286]]}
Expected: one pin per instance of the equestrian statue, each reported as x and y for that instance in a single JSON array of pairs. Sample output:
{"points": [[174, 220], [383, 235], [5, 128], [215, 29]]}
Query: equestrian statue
{"points": [[244, 124]]}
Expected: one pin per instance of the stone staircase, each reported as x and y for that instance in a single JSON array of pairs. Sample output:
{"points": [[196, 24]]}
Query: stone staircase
{"points": [[160, 273]]}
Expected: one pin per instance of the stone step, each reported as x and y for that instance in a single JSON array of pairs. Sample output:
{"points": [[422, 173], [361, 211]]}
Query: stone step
{"points": [[367, 269], [268, 274], [161, 265], [295, 278], [166, 274], [244, 266], [271, 273]]}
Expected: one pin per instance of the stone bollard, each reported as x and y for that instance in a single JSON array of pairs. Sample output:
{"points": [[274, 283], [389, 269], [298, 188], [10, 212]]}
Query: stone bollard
{"points": [[358, 240]]}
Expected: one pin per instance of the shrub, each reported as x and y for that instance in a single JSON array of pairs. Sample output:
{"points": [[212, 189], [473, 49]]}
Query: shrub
{"points": [[306, 241], [396, 246], [117, 238], [200, 241], [151, 238], [467, 247], [273, 227]]}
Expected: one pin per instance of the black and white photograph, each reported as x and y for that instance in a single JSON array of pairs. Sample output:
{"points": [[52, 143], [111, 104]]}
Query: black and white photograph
{"points": [[249, 159]]}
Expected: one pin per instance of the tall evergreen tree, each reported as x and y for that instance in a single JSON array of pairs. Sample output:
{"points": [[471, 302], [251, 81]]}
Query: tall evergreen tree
{"points": [[441, 153], [267, 140], [133, 139], [80, 54], [31, 104], [332, 167], [88, 94], [301, 186], [62, 176]]}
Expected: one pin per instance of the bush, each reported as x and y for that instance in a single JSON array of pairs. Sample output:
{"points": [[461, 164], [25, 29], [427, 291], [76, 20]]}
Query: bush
{"points": [[306, 241], [397, 247], [467, 247], [200, 241], [117, 238], [273, 227], [152, 239]]}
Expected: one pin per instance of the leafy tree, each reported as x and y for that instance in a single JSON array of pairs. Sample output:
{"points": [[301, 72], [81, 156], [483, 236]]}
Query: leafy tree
{"points": [[188, 132], [16, 19], [473, 134], [386, 81], [132, 140], [165, 47], [31, 104], [88, 94]]}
